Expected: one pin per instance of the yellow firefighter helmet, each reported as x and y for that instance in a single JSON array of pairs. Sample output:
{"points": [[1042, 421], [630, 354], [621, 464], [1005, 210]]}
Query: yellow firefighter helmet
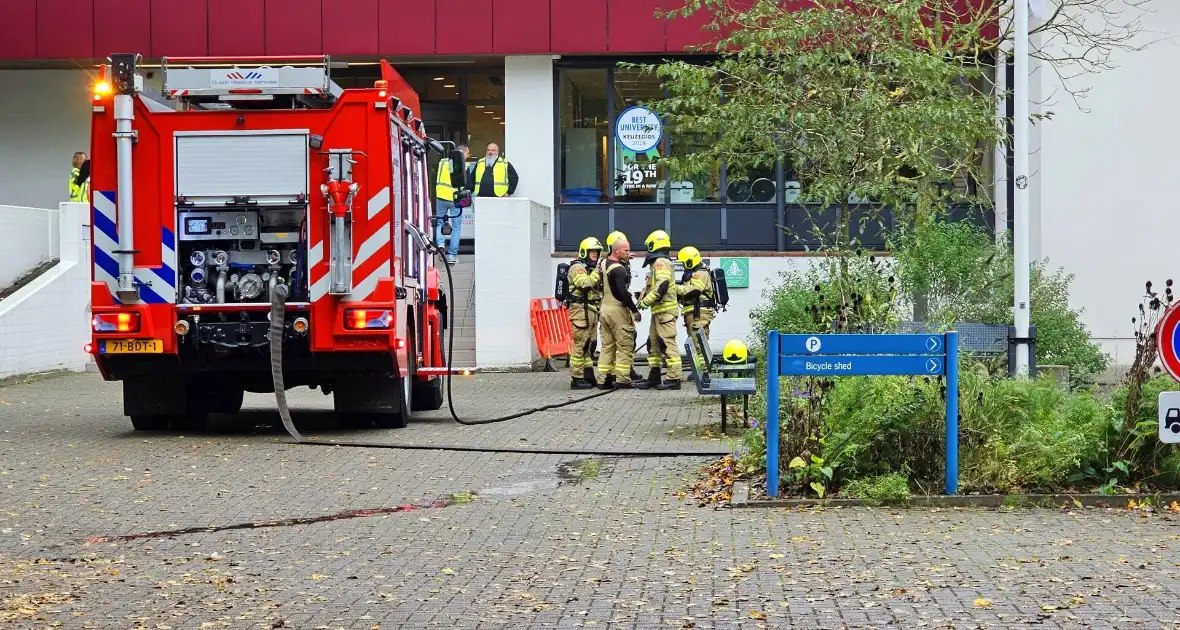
{"points": [[614, 236], [658, 240], [588, 244], [735, 352], [689, 256]]}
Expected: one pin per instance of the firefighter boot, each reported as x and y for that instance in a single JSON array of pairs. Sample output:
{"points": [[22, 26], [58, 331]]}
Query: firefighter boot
{"points": [[581, 383], [588, 376], [608, 382], [652, 381], [669, 385]]}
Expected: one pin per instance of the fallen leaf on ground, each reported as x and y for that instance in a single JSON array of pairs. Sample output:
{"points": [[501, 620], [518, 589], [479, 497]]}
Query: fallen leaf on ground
{"points": [[982, 602]]}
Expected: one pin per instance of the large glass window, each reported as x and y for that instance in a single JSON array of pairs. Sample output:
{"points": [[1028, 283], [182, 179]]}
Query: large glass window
{"points": [[582, 112], [639, 139], [485, 124], [752, 185], [702, 187]]}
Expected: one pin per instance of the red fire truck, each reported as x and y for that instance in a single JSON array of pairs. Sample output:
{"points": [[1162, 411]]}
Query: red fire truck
{"points": [[241, 175]]}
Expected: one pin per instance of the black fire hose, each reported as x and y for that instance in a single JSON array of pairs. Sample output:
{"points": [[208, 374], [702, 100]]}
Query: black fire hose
{"points": [[277, 338]]}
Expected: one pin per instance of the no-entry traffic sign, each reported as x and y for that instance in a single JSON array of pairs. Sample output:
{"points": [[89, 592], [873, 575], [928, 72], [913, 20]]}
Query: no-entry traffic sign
{"points": [[1167, 340]]}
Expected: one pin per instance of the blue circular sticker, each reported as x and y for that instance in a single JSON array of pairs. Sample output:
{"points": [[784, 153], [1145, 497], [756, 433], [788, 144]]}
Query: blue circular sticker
{"points": [[638, 129]]}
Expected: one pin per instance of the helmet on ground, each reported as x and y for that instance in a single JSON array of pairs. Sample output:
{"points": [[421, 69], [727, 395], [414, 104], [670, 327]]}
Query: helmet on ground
{"points": [[614, 236], [587, 245], [658, 240], [689, 256], [735, 352]]}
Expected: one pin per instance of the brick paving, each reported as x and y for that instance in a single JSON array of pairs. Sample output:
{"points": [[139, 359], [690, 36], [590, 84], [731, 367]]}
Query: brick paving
{"points": [[519, 541]]}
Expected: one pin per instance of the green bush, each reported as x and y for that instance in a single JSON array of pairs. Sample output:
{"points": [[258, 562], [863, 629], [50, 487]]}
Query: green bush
{"points": [[1133, 454], [1014, 435], [890, 488], [962, 276]]}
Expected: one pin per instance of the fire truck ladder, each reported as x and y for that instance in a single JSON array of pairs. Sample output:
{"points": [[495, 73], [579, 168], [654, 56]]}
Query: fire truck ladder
{"points": [[220, 82]]}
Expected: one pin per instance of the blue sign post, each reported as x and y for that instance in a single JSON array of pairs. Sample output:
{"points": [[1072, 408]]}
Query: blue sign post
{"points": [[862, 355]]}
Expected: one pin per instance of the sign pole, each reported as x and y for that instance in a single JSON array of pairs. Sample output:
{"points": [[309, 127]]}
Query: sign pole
{"points": [[1020, 237], [772, 376], [952, 412]]}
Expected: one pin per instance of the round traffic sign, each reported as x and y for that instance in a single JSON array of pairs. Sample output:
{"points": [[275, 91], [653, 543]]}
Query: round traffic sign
{"points": [[1167, 340]]}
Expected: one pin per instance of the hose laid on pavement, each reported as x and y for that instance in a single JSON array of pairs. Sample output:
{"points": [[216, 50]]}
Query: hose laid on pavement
{"points": [[277, 317]]}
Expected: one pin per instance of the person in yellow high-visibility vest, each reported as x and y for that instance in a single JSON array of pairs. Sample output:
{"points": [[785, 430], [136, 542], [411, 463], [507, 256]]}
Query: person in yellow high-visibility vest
{"points": [[80, 178], [494, 176], [449, 179]]}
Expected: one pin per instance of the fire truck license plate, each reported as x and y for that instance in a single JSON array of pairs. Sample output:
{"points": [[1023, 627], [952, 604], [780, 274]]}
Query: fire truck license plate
{"points": [[131, 346]]}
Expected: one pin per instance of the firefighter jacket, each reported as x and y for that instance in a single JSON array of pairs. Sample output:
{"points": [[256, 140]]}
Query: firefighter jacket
{"points": [[585, 285], [659, 290], [695, 292], [503, 179]]}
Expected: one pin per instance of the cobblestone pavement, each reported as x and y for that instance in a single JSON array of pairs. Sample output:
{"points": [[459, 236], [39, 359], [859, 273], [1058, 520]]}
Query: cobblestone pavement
{"points": [[507, 540]]}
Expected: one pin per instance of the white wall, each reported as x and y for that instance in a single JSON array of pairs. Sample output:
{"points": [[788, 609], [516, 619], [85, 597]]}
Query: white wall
{"points": [[1109, 182], [512, 250], [28, 237], [43, 326], [44, 119], [528, 135]]}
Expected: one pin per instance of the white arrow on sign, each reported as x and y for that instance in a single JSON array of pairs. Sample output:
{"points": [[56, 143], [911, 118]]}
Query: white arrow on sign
{"points": [[933, 366], [1169, 417], [933, 344]]}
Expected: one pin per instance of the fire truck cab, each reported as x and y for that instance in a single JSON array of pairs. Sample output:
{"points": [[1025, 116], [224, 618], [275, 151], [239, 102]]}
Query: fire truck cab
{"points": [[242, 175]]}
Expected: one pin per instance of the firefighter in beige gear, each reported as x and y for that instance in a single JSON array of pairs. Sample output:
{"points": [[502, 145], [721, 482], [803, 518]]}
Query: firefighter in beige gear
{"points": [[585, 299], [697, 302], [659, 294], [619, 316]]}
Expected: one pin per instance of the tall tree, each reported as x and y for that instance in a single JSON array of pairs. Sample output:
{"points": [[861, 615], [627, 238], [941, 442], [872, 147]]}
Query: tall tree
{"points": [[881, 100]]}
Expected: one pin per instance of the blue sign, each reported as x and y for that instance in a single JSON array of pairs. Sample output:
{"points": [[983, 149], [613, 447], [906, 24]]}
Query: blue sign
{"points": [[854, 365], [863, 344], [862, 355]]}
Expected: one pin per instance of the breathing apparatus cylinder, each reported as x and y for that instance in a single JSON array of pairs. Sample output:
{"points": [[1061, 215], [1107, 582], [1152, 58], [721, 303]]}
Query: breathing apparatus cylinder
{"points": [[720, 287], [561, 289]]}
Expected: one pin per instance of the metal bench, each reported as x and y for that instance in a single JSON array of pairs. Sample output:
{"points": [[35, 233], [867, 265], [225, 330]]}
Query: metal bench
{"points": [[717, 378]]}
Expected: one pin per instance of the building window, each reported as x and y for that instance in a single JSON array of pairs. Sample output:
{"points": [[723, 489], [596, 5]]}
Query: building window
{"points": [[608, 176], [753, 185], [485, 125], [640, 140], [698, 188], [584, 124]]}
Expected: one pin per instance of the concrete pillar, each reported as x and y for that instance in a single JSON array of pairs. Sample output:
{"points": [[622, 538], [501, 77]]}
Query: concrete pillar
{"points": [[513, 266], [529, 132]]}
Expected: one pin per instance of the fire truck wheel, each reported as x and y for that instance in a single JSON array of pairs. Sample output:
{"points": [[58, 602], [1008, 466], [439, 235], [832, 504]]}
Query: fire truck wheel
{"points": [[428, 395], [149, 423], [363, 399], [355, 420], [227, 400], [400, 419], [190, 422]]}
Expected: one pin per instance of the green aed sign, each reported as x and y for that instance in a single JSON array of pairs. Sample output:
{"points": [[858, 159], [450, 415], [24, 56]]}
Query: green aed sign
{"points": [[737, 272]]}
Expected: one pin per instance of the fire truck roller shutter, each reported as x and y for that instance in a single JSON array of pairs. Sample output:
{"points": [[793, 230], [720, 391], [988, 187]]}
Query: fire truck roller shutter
{"points": [[269, 166]]}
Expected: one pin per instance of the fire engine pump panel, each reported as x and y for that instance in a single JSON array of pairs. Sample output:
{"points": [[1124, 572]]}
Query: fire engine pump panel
{"points": [[237, 256], [241, 203]]}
